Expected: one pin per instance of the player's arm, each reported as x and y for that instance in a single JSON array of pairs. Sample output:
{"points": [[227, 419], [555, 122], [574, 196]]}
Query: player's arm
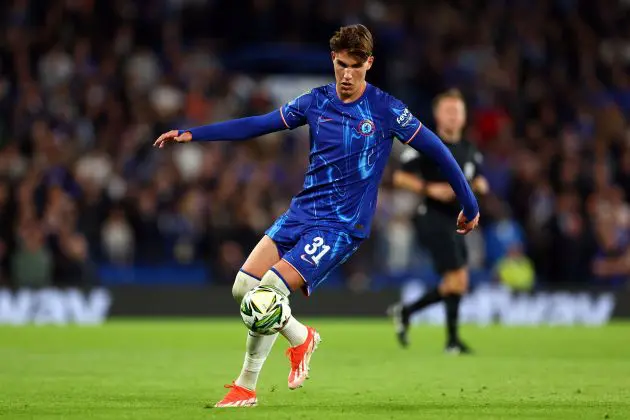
{"points": [[425, 141], [408, 129], [289, 116], [239, 129]]}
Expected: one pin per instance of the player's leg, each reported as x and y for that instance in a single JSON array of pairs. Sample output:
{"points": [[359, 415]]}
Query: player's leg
{"points": [[303, 340], [401, 313], [454, 286], [433, 295], [257, 348], [439, 241], [303, 267], [286, 279], [260, 260], [306, 265]]}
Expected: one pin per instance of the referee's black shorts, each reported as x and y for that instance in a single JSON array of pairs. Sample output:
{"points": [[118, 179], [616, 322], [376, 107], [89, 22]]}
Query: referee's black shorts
{"points": [[436, 232]]}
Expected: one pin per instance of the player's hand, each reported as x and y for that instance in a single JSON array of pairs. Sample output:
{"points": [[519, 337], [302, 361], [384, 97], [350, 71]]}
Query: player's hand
{"points": [[440, 191], [464, 226], [172, 136]]}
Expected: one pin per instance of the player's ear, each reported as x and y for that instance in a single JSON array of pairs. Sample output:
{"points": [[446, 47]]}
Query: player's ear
{"points": [[333, 55], [369, 62]]}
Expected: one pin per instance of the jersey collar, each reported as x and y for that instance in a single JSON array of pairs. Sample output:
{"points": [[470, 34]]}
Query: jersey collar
{"points": [[340, 102]]}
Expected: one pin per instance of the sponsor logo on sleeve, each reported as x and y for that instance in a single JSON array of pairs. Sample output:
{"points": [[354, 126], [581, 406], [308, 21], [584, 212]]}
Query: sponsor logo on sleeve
{"points": [[404, 118]]}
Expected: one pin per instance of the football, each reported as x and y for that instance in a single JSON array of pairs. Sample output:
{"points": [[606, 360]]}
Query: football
{"points": [[264, 310]]}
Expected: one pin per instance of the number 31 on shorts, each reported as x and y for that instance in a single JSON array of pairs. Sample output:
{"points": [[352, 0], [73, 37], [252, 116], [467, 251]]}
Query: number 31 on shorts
{"points": [[317, 249]]}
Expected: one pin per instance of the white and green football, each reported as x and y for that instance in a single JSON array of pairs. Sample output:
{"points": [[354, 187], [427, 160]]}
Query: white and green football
{"points": [[264, 310]]}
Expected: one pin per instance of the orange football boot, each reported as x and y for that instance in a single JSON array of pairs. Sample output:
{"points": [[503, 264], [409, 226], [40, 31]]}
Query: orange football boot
{"points": [[300, 357], [238, 396]]}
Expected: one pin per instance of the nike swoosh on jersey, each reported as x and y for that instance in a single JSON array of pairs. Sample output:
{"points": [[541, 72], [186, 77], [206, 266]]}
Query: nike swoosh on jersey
{"points": [[305, 258], [323, 120]]}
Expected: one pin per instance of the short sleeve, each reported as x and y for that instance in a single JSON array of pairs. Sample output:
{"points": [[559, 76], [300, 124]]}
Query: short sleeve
{"points": [[403, 124], [294, 113]]}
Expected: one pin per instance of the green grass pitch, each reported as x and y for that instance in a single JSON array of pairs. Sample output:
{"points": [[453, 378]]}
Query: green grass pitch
{"points": [[171, 369]]}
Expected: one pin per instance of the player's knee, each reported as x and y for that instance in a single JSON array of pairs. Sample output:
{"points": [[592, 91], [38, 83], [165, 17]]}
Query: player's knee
{"points": [[243, 284], [274, 280]]}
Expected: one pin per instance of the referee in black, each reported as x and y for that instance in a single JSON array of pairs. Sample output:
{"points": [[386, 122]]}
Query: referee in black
{"points": [[434, 219]]}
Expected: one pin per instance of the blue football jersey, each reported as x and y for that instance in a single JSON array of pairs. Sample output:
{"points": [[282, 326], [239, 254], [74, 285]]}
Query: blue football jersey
{"points": [[350, 144]]}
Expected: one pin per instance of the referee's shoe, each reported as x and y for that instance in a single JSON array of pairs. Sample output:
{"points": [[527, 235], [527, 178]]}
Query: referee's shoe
{"points": [[457, 347], [401, 323]]}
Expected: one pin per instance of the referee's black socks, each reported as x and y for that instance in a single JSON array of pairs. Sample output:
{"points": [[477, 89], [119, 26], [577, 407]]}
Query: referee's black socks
{"points": [[429, 298], [452, 316]]}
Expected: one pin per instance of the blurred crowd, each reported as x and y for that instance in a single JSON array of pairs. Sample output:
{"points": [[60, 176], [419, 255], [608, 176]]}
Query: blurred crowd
{"points": [[87, 85]]}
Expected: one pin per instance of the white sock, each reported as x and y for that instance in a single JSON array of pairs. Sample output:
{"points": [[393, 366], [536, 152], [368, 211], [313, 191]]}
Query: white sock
{"points": [[258, 348], [271, 279], [295, 332]]}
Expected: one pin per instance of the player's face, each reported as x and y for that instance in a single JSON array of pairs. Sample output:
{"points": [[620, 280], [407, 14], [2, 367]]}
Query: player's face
{"points": [[349, 73], [450, 114]]}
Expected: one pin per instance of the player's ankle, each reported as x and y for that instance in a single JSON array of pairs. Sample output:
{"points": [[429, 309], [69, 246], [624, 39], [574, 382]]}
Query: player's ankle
{"points": [[245, 384], [295, 332]]}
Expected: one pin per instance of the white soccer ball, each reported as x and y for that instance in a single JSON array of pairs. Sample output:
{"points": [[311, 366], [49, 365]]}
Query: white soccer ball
{"points": [[264, 310]]}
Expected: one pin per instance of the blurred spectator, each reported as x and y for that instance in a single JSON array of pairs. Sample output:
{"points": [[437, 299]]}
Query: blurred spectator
{"points": [[32, 262], [569, 245], [7, 217], [118, 239], [515, 270], [231, 257], [502, 234], [72, 266]]}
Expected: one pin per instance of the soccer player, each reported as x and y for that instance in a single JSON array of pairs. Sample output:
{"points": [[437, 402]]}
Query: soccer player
{"points": [[352, 124], [448, 250]]}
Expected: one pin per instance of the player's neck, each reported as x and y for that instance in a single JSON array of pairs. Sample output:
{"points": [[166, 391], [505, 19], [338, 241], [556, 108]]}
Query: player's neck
{"points": [[450, 136], [354, 96]]}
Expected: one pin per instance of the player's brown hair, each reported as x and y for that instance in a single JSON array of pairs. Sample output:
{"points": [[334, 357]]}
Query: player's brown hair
{"points": [[356, 39], [452, 93]]}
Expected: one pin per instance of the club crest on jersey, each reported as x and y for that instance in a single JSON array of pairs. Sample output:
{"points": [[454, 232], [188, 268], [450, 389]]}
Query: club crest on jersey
{"points": [[366, 128]]}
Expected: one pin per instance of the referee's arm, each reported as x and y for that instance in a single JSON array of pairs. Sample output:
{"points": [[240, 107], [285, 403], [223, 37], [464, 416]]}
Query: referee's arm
{"points": [[480, 185], [408, 181], [409, 175], [442, 191]]}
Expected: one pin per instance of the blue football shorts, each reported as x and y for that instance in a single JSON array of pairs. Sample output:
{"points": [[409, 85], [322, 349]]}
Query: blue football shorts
{"points": [[314, 251]]}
